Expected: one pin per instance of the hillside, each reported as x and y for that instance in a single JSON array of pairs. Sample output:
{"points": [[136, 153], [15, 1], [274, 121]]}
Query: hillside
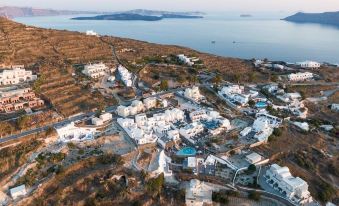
{"points": [[52, 53], [13, 12], [327, 18]]}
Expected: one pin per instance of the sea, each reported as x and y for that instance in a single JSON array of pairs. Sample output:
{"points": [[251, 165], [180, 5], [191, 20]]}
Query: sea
{"points": [[261, 36]]}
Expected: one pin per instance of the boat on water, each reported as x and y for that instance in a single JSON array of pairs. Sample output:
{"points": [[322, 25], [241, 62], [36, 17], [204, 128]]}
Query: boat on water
{"points": [[213, 42]]}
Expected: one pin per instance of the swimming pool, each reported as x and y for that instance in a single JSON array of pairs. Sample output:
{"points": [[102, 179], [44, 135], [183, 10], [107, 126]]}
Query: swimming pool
{"points": [[261, 104], [187, 151]]}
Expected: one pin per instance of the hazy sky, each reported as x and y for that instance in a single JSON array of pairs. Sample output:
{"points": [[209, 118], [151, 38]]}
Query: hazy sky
{"points": [[181, 5]]}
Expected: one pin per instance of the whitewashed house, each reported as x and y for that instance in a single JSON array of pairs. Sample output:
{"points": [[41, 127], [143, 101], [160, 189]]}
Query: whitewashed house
{"points": [[125, 76], [309, 65], [18, 191], [95, 70], [191, 130], [193, 93], [293, 188], [150, 102], [300, 76], [123, 111], [70, 132], [16, 75], [184, 59]]}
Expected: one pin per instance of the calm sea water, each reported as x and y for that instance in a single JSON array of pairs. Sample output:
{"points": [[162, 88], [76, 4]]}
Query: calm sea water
{"points": [[262, 36]]}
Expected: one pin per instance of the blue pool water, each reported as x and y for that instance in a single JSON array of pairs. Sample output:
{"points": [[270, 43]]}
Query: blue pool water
{"points": [[187, 151], [261, 104]]}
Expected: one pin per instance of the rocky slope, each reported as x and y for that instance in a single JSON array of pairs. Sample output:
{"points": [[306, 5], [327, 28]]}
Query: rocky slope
{"points": [[326, 18]]}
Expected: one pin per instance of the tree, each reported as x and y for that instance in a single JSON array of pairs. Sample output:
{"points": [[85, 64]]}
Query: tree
{"points": [[23, 121], [155, 185], [217, 79], [6, 128], [254, 195], [164, 85], [251, 103], [220, 197], [274, 78], [277, 132], [251, 169], [49, 131]]}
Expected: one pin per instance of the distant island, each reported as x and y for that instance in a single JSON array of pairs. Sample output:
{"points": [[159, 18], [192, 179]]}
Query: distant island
{"points": [[160, 13], [245, 15], [326, 18], [13, 12], [140, 16]]}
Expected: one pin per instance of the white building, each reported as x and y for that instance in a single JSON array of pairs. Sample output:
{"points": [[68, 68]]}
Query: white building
{"points": [[173, 134], [335, 107], [309, 64], [139, 105], [289, 97], [125, 76], [245, 131], [95, 70], [198, 115], [91, 33], [294, 188], [15, 76], [102, 119], [123, 111], [235, 93], [18, 191], [253, 158], [97, 121], [262, 128], [70, 132], [191, 130], [193, 93], [150, 102], [273, 121], [300, 76], [163, 166], [198, 194], [174, 115], [184, 59], [302, 125]]}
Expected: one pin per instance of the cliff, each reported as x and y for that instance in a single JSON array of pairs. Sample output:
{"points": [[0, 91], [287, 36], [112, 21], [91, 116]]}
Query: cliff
{"points": [[327, 18]]}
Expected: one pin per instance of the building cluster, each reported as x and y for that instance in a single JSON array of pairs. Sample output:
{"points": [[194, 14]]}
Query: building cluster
{"points": [[203, 123], [138, 106], [237, 95], [300, 76], [125, 76], [190, 61], [14, 99], [145, 130], [264, 64], [293, 188], [95, 70], [16, 75], [262, 127], [293, 102]]}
